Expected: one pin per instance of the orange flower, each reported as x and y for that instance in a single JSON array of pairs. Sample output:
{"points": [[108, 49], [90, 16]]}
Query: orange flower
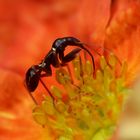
{"points": [[27, 30]]}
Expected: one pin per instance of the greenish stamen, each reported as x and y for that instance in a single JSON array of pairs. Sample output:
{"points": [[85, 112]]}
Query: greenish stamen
{"points": [[92, 105]]}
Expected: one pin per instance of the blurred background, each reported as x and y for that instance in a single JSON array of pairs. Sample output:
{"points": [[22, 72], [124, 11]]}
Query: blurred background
{"points": [[27, 30]]}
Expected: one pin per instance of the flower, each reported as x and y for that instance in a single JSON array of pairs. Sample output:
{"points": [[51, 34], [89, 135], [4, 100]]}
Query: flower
{"points": [[28, 27], [91, 107]]}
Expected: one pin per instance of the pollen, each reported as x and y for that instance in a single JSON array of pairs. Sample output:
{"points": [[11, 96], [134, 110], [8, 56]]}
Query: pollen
{"points": [[90, 105]]}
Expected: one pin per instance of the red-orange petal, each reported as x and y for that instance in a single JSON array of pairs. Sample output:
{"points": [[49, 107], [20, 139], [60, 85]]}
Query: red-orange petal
{"points": [[90, 21], [123, 33], [16, 121]]}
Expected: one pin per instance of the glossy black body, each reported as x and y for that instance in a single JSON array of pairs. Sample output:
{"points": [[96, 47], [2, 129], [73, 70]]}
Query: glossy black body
{"points": [[56, 58], [62, 43], [32, 77]]}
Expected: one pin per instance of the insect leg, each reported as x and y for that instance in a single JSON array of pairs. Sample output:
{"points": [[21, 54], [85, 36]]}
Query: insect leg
{"points": [[54, 60], [61, 55], [47, 71], [32, 97], [81, 46], [70, 56], [46, 88], [30, 94]]}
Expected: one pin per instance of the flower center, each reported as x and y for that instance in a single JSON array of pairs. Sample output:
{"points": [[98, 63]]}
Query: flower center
{"points": [[89, 106]]}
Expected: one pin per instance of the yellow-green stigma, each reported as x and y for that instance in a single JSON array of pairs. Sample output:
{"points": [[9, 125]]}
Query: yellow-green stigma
{"points": [[89, 106]]}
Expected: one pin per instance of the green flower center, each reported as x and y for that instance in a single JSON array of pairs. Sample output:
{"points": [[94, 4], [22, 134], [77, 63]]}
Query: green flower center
{"points": [[89, 106]]}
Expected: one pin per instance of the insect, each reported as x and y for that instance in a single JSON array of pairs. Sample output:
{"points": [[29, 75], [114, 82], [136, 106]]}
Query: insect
{"points": [[56, 58]]}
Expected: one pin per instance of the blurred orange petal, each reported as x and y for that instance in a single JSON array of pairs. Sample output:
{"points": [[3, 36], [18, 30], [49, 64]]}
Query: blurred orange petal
{"points": [[14, 105], [91, 21], [31, 29]]}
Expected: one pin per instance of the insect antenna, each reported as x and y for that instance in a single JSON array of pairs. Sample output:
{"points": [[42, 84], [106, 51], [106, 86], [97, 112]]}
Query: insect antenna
{"points": [[93, 62]]}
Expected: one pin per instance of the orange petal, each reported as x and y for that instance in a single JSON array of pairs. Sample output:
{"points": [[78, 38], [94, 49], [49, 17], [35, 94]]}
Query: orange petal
{"points": [[31, 32], [90, 21], [123, 34], [16, 122]]}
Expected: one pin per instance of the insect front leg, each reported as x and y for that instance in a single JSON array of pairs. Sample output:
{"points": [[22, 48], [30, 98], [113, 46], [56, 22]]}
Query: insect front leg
{"points": [[54, 60], [70, 56]]}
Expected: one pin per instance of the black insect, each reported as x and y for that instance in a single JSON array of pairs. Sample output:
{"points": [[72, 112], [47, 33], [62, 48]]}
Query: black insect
{"points": [[56, 58], [60, 44]]}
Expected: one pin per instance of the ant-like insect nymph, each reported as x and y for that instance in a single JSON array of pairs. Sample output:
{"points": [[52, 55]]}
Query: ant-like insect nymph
{"points": [[56, 58]]}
